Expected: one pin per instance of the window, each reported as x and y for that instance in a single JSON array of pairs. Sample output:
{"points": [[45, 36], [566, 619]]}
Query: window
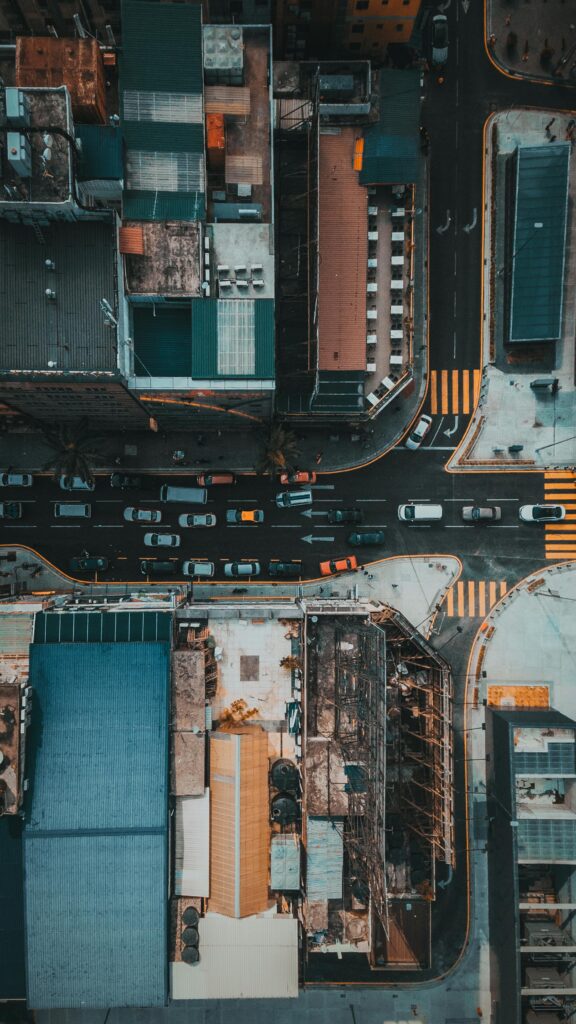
{"points": [[354, 46], [380, 26], [405, 3], [399, 28], [358, 29], [384, 3], [375, 44], [362, 5]]}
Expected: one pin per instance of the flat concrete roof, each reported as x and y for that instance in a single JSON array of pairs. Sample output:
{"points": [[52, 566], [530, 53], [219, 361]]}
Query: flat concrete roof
{"points": [[245, 245]]}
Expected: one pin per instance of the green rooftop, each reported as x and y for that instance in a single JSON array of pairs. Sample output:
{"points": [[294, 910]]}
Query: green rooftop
{"points": [[392, 145]]}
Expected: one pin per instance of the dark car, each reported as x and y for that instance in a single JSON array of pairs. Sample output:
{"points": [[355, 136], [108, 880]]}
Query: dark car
{"points": [[358, 540], [124, 481], [90, 563], [285, 569], [10, 509], [344, 515], [150, 567]]}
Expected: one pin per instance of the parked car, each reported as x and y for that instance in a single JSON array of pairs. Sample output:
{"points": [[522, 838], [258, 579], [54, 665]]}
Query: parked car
{"points": [[152, 567], [419, 433], [439, 40], [338, 565], [287, 569], [291, 499], [142, 515], [299, 476], [192, 568], [124, 481], [91, 563], [76, 483], [244, 515], [365, 539], [197, 519], [481, 513], [10, 510], [16, 479], [161, 540], [419, 512], [345, 515], [239, 569], [210, 479], [541, 513]]}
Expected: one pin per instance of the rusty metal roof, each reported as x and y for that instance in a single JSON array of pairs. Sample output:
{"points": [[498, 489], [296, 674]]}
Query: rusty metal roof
{"points": [[343, 248]]}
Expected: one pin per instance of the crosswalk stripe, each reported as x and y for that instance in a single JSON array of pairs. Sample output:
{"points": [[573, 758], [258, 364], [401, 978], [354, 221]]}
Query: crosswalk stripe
{"points": [[561, 496], [465, 391], [492, 593], [433, 392], [474, 598], [477, 379], [552, 474], [482, 598], [560, 547], [455, 376], [460, 592], [445, 406], [450, 602]]}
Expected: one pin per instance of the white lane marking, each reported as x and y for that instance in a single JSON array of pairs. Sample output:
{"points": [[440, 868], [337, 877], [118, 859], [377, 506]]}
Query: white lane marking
{"points": [[514, 526], [65, 526], [108, 526], [286, 526], [503, 499], [437, 432], [460, 499], [470, 227], [363, 500], [461, 526], [439, 448], [444, 227], [322, 487], [331, 501], [20, 526]]}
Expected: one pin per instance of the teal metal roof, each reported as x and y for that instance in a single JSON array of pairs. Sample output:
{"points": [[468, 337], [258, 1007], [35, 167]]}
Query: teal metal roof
{"points": [[206, 338], [324, 858], [161, 80], [162, 340], [539, 242], [101, 152], [96, 834], [392, 146], [93, 627]]}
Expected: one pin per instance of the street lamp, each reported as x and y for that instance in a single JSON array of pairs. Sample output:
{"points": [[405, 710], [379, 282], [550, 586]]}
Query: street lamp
{"points": [[537, 225]]}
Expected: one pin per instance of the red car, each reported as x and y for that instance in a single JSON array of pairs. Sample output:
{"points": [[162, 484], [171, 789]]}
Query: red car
{"points": [[338, 565], [299, 476]]}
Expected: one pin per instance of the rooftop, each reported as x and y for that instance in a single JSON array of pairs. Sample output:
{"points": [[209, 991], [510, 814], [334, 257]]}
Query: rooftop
{"points": [[170, 264], [50, 180], [343, 252], [240, 248], [392, 145], [67, 328], [95, 849]]}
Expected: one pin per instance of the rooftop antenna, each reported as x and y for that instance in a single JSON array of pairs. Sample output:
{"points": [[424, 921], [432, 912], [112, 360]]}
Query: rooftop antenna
{"points": [[109, 317], [110, 35], [50, 294], [49, 264], [79, 26], [52, 31]]}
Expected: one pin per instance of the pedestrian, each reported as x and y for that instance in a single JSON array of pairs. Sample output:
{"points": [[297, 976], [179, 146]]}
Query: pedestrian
{"points": [[318, 458]]}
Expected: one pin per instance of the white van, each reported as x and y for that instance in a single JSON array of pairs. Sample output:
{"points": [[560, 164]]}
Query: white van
{"points": [[189, 495], [62, 510], [76, 483], [419, 512], [287, 499]]}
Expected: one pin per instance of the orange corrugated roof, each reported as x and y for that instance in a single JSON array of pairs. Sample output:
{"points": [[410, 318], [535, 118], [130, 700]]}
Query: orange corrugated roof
{"points": [[343, 248], [132, 240]]}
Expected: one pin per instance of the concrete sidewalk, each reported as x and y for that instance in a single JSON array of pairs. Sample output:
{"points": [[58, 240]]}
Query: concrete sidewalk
{"points": [[535, 40]]}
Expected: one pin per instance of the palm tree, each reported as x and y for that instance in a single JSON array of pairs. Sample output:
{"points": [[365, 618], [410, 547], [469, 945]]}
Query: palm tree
{"points": [[279, 452], [75, 449]]}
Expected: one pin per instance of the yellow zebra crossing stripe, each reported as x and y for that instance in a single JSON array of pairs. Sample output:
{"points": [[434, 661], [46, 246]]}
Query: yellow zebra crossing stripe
{"points": [[473, 598], [453, 391], [560, 537]]}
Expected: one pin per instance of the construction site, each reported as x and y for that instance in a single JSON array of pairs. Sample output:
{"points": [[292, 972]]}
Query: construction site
{"points": [[377, 786]]}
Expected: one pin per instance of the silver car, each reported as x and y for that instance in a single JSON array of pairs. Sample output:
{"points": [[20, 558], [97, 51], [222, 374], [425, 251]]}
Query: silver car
{"points": [[161, 540], [15, 479], [241, 569], [439, 40], [197, 519], [481, 513]]}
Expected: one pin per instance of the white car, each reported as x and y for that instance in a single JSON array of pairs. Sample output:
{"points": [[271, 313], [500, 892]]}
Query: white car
{"points": [[419, 433], [76, 483], [192, 568], [541, 513], [162, 540], [142, 515], [197, 519], [15, 479]]}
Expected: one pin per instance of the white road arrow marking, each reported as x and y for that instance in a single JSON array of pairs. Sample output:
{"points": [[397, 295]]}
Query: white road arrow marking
{"points": [[309, 513], [449, 433], [445, 5], [466, 6], [310, 539], [322, 487], [470, 227], [445, 226]]}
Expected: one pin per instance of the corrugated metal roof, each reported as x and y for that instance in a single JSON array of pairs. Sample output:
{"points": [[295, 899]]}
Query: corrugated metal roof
{"points": [[16, 632], [205, 340], [324, 858], [95, 849], [69, 329], [539, 242], [140, 205], [93, 627], [162, 345], [12, 974], [192, 845], [161, 46], [285, 863], [253, 958], [343, 247], [101, 155], [392, 146]]}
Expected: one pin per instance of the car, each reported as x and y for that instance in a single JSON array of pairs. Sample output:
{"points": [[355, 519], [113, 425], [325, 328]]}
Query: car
{"points": [[298, 476], [365, 539], [338, 565], [211, 479], [541, 513], [419, 512], [161, 540], [124, 481], [290, 499], [89, 563], [284, 569], [142, 515], [439, 40], [152, 567], [244, 515], [197, 568], [10, 510], [481, 513], [419, 433], [241, 569], [197, 519], [11, 479], [344, 515], [76, 483]]}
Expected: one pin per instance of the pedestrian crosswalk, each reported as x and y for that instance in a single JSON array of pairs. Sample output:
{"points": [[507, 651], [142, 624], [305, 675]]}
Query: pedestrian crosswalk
{"points": [[473, 598], [453, 391], [560, 538]]}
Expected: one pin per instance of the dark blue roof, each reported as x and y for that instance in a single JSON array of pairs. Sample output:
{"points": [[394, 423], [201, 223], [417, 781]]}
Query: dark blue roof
{"points": [[392, 145], [12, 975], [95, 842]]}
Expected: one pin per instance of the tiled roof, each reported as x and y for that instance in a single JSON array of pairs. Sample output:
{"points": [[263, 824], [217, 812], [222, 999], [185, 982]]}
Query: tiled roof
{"points": [[343, 248]]}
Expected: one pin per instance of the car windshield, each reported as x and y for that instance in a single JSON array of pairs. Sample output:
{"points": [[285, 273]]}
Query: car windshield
{"points": [[440, 33], [410, 510], [546, 513]]}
